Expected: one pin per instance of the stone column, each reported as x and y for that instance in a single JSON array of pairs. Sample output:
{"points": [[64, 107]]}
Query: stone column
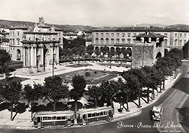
{"points": [[51, 53], [42, 56], [57, 54], [24, 56], [35, 55], [29, 57], [32, 58]]}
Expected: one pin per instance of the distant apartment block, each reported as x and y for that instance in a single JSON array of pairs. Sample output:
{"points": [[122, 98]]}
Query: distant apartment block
{"points": [[4, 40], [124, 36]]}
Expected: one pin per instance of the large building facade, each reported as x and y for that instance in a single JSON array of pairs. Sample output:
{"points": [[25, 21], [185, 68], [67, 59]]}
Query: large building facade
{"points": [[18, 33], [4, 40], [37, 46], [124, 36]]}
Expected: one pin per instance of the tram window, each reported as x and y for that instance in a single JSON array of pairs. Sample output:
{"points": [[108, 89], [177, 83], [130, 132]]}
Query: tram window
{"points": [[101, 113], [89, 115], [63, 117], [54, 117], [93, 114], [58, 118], [49, 118], [105, 113], [97, 114], [45, 118]]}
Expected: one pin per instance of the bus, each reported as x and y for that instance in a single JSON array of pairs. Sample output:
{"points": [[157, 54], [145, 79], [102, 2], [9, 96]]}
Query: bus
{"points": [[49, 118], [85, 116]]}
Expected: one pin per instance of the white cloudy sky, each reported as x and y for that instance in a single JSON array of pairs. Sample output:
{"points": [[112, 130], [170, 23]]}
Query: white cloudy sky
{"points": [[97, 12]]}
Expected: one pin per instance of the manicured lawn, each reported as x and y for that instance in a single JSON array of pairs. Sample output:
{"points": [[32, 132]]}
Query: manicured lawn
{"points": [[114, 64], [95, 76], [79, 65]]}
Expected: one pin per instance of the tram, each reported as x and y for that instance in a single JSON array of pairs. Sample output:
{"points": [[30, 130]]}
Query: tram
{"points": [[86, 116], [66, 118], [49, 118]]}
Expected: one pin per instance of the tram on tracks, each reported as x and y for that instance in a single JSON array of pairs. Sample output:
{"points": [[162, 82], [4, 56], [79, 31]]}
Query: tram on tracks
{"points": [[66, 118]]}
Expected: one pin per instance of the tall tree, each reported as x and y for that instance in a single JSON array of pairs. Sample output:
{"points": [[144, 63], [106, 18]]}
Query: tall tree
{"points": [[95, 93], [90, 49], [134, 84], [109, 90], [55, 90], [79, 84], [33, 94], [4, 60], [11, 92]]}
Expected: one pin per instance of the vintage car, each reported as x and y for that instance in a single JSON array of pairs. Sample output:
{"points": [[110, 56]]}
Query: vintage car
{"points": [[156, 113]]}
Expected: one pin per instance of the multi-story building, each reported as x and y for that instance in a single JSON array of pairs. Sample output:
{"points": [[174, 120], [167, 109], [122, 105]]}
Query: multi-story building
{"points": [[16, 38], [4, 41], [18, 33], [174, 37]]}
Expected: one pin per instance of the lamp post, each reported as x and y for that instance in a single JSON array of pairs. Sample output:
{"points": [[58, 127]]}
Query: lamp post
{"points": [[53, 61]]}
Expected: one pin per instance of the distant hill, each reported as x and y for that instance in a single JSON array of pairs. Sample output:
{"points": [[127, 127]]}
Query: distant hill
{"points": [[66, 28], [76, 28], [179, 26], [148, 25]]}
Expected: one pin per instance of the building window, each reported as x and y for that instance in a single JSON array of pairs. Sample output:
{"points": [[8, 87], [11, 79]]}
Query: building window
{"points": [[181, 35], [102, 34], [117, 34], [175, 34], [107, 34], [185, 35], [112, 34], [129, 34], [117, 40], [134, 34], [18, 33], [97, 34], [123, 34], [112, 40], [123, 40], [180, 42], [165, 34]]}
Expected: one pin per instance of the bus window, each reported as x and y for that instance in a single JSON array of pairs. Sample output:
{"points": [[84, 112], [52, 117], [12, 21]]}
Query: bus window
{"points": [[54, 117], [63, 117]]}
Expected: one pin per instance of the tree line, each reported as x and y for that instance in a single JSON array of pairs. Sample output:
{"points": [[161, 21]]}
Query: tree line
{"points": [[137, 83]]}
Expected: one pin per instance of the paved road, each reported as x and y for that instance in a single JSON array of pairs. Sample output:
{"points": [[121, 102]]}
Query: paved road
{"points": [[138, 124]]}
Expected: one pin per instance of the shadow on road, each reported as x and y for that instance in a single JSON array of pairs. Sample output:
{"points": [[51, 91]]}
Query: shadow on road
{"points": [[184, 113], [182, 85]]}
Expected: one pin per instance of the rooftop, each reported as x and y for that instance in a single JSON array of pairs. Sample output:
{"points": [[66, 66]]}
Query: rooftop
{"points": [[141, 29], [150, 35]]}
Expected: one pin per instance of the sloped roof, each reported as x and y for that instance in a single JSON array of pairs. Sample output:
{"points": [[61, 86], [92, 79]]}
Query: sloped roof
{"points": [[150, 35], [140, 29]]}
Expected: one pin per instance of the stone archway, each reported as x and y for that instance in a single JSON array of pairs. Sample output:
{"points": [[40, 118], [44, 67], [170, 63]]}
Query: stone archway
{"points": [[166, 51], [158, 55], [18, 54]]}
